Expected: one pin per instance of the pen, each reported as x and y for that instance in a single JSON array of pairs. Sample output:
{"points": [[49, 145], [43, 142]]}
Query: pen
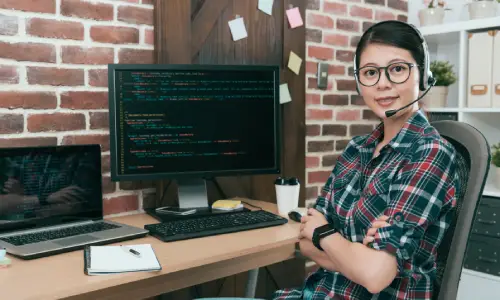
{"points": [[131, 251]]}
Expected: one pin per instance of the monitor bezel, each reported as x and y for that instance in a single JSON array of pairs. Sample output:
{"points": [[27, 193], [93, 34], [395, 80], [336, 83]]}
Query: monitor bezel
{"points": [[115, 176], [95, 215]]}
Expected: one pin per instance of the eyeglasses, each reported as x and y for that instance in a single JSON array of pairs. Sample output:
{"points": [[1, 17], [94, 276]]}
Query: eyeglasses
{"points": [[397, 73]]}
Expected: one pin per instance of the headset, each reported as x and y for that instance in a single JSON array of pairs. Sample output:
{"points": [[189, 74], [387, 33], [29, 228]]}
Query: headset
{"points": [[426, 80]]}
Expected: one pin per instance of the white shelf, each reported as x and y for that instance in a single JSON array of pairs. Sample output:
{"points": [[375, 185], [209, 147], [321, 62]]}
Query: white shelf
{"points": [[455, 27], [465, 110], [490, 190], [480, 274]]}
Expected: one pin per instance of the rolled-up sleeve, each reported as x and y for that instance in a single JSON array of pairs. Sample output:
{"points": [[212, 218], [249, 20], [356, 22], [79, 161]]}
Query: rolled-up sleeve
{"points": [[420, 201]]}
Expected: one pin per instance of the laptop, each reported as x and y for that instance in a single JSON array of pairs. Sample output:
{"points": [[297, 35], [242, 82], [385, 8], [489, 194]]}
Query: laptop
{"points": [[51, 201]]}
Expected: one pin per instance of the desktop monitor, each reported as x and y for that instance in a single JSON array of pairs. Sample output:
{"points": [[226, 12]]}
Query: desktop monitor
{"points": [[193, 122]]}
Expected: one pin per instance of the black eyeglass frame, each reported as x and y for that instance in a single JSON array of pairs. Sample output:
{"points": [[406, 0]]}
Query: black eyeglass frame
{"points": [[410, 66]]}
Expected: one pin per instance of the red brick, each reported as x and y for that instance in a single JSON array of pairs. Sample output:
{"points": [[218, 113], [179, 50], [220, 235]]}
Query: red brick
{"points": [[135, 56], [55, 29], [334, 129], [348, 115], [320, 52], [314, 35], [108, 186], [84, 100], [335, 100], [55, 122], [319, 146], [341, 144], [28, 100], [10, 25], [318, 176], [42, 6], [313, 130], [11, 123], [311, 67], [370, 115], [345, 56], [335, 8], [87, 56], [105, 163], [312, 162], [361, 129], [321, 21], [357, 100], [348, 25], [55, 76], [312, 83], [381, 15], [363, 12], [336, 39], [135, 15], [120, 204], [403, 18], [8, 74], [313, 99], [99, 120], [98, 77], [100, 139], [149, 36], [376, 2], [28, 52], [346, 85], [319, 114], [336, 70], [311, 192], [355, 40], [28, 142], [87, 10], [329, 160], [367, 25], [398, 4], [114, 34]]}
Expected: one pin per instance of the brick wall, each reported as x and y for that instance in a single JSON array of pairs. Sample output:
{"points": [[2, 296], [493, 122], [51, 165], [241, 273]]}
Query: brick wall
{"points": [[334, 115], [53, 75]]}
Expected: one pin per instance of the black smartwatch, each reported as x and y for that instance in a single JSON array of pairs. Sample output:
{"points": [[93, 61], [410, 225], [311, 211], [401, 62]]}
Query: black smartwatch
{"points": [[322, 232]]}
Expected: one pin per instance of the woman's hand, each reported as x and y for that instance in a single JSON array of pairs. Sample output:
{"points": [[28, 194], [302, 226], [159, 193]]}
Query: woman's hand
{"points": [[310, 222], [378, 223]]}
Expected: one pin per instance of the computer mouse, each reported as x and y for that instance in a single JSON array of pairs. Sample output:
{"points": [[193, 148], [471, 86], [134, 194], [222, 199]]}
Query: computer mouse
{"points": [[297, 213]]}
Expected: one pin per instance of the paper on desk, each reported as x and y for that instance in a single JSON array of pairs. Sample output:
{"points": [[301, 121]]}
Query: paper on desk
{"points": [[285, 93], [238, 29], [266, 6], [294, 62], [294, 17]]}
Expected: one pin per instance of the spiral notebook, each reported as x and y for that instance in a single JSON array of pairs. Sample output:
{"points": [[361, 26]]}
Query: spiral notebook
{"points": [[101, 260]]}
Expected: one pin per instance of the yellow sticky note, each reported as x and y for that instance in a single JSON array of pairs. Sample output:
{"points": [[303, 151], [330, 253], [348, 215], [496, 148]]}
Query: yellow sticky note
{"points": [[284, 93], [294, 17], [294, 62]]}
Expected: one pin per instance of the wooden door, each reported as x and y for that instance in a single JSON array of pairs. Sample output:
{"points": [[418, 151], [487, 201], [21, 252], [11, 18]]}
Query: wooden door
{"points": [[197, 32]]}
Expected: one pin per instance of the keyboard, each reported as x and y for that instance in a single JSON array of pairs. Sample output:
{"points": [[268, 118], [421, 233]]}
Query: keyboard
{"points": [[183, 229], [36, 237]]}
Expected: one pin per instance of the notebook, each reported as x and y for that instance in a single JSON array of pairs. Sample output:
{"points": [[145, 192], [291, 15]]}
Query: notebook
{"points": [[100, 260]]}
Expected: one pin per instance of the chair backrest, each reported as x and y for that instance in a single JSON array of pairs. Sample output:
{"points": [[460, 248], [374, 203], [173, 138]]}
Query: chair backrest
{"points": [[473, 163]]}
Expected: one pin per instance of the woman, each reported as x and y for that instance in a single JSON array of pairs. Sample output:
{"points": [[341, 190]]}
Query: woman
{"points": [[383, 211]]}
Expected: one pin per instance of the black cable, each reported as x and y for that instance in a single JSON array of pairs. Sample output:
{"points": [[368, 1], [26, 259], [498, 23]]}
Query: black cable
{"points": [[272, 277], [220, 287], [164, 192]]}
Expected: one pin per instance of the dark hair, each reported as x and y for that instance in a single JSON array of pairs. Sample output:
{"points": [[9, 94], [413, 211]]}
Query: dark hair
{"points": [[395, 34]]}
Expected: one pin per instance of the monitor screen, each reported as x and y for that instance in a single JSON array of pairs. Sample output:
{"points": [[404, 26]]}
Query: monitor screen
{"points": [[169, 121], [54, 183]]}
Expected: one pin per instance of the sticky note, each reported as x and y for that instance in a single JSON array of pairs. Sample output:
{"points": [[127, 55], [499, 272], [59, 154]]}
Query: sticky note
{"points": [[266, 6], [285, 93], [294, 17], [294, 62], [238, 29]]}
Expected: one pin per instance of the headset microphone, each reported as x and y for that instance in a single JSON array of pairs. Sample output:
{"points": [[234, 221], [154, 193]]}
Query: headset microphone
{"points": [[392, 112]]}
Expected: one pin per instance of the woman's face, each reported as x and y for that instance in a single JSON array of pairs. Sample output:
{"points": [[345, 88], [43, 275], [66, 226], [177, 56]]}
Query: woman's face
{"points": [[386, 95]]}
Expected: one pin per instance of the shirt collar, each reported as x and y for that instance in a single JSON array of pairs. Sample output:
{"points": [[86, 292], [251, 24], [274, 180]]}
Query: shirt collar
{"points": [[412, 129]]}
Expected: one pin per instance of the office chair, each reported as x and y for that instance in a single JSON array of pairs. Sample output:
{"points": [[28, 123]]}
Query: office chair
{"points": [[473, 163]]}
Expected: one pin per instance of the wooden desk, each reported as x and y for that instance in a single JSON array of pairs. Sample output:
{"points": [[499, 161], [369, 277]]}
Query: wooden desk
{"points": [[184, 263]]}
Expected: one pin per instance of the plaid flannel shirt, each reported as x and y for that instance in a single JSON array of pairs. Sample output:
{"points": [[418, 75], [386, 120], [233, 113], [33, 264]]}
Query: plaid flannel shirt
{"points": [[412, 181]]}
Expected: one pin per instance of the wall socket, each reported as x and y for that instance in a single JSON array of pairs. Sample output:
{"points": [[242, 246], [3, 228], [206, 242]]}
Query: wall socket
{"points": [[322, 76]]}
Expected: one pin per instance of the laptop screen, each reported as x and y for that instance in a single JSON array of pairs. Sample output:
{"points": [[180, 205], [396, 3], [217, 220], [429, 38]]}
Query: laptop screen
{"points": [[41, 186]]}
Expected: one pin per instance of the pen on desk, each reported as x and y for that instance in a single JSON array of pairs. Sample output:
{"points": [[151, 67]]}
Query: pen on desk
{"points": [[131, 251]]}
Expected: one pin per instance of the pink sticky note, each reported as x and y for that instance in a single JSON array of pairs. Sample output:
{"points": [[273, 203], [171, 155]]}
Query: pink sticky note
{"points": [[294, 17]]}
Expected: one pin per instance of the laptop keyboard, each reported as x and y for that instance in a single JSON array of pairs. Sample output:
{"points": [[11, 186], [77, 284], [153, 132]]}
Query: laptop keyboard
{"points": [[31, 238]]}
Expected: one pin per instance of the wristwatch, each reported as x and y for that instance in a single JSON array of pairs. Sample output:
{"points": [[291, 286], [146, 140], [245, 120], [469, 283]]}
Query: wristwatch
{"points": [[321, 232]]}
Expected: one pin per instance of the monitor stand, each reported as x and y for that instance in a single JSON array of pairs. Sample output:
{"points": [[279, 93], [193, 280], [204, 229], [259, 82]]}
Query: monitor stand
{"points": [[193, 201]]}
